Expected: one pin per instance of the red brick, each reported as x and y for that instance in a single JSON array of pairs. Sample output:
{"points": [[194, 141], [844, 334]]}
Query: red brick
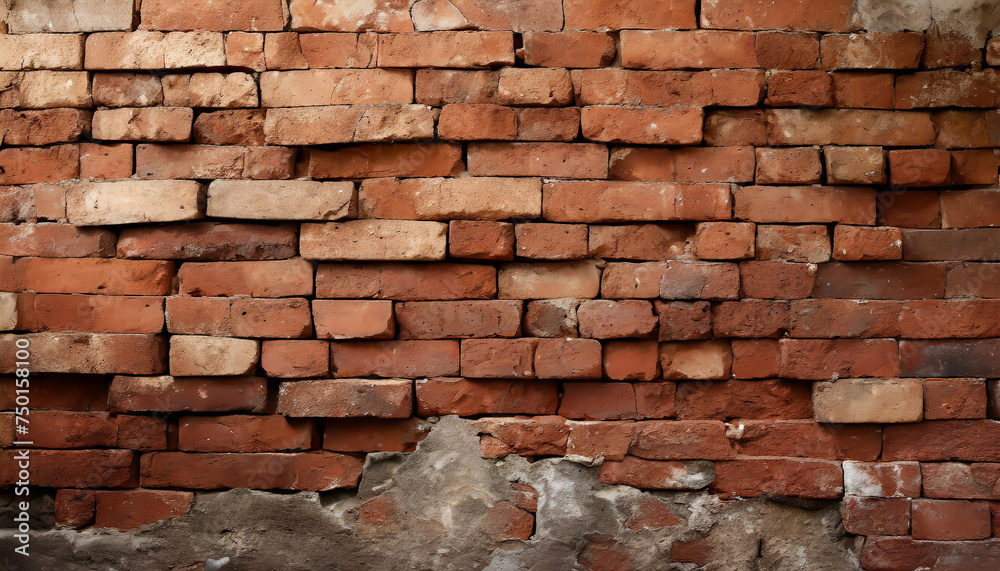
{"points": [[641, 241], [652, 514], [456, 320], [835, 16], [876, 516], [466, 397], [620, 15], [74, 508], [471, 122], [793, 243], [295, 359], [243, 433], [245, 50], [865, 243], [629, 280], [544, 87], [198, 355], [317, 471], [95, 276], [680, 440], [551, 160], [791, 88], [735, 127], [481, 239], [598, 401], [567, 359], [697, 550], [406, 281], [684, 320], [872, 50], [948, 358], [100, 314], [844, 318], [803, 478], [950, 519], [599, 201], [568, 49], [88, 353], [261, 279], [353, 319], [593, 438], [529, 436], [973, 280], [143, 433], [904, 552], [283, 51], [849, 127], [256, 15], [718, 87], [946, 88], [818, 359], [700, 49], [385, 16], [645, 125], [704, 360], [685, 164], [60, 392], [977, 244], [743, 399], [190, 394], [755, 358], [805, 204], [77, 468], [750, 318], [130, 509], [63, 429], [806, 439], [954, 398], [657, 475], [604, 319], [795, 165], [787, 50], [725, 240], [700, 280], [942, 440], [402, 160], [880, 280], [949, 49], [961, 480], [407, 359], [919, 167], [374, 435], [105, 161], [631, 360], [446, 49], [952, 318], [382, 398], [447, 198], [55, 241], [863, 89], [521, 17], [209, 241], [548, 124], [971, 208], [777, 280], [545, 241]]}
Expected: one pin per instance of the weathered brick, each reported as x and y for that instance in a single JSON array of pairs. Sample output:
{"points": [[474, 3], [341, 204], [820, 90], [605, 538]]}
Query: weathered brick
{"points": [[657, 475], [43, 127], [31, 16], [154, 50], [717, 87], [807, 439], [864, 243], [796, 477], [524, 15], [631, 360], [130, 509], [402, 160], [212, 162], [685, 164], [383, 398], [335, 87], [544, 87], [485, 240], [353, 319], [280, 200], [551, 160], [196, 355], [549, 280], [868, 401], [641, 241], [950, 519], [645, 125], [600, 201], [949, 358], [954, 398], [456, 320], [90, 353], [543, 241], [134, 202], [347, 124], [849, 127], [209, 241], [787, 50], [382, 16], [700, 280], [568, 49], [552, 318], [876, 516], [27, 165], [281, 278], [854, 165], [742, 399], [725, 240], [696, 359], [106, 161], [881, 280], [374, 435], [836, 16], [170, 124], [98, 313], [55, 241], [844, 318], [295, 359], [620, 15], [74, 468], [379, 240], [406, 282]]}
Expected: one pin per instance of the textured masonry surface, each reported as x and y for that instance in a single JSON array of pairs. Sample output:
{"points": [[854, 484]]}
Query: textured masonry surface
{"points": [[589, 284]]}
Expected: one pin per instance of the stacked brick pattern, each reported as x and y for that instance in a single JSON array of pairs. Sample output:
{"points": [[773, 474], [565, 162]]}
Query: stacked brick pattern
{"points": [[740, 246]]}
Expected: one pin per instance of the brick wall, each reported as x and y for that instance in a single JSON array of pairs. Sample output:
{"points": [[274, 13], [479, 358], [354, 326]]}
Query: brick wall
{"points": [[734, 246]]}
